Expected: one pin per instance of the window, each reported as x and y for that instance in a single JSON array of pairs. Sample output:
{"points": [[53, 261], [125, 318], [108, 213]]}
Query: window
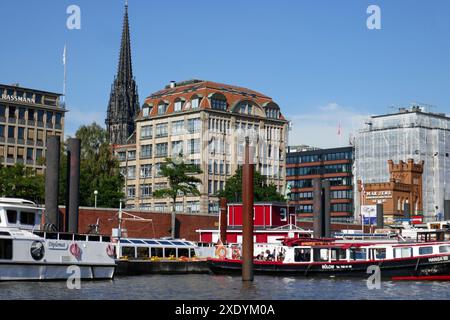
{"points": [[219, 103], [6, 249], [146, 171], [12, 216], [2, 131], [302, 255], [380, 254], [193, 125], [157, 252], [402, 252], [321, 255], [146, 111], [11, 132], [146, 132], [132, 155], [2, 111], [27, 218], [49, 117], [425, 250], [146, 151], [161, 150], [193, 207], [58, 118], [20, 133], [131, 172], [178, 127], [283, 214], [142, 253], [22, 113], [358, 254], [194, 146], [162, 109], [444, 249], [338, 254], [178, 105], [161, 130], [12, 112], [129, 252], [177, 148], [30, 154], [131, 192], [195, 103], [146, 190]]}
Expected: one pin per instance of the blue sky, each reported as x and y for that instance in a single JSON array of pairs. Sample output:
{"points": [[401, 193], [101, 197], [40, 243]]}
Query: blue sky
{"points": [[317, 59]]}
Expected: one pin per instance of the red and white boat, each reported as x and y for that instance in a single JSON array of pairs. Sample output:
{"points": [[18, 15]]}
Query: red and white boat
{"points": [[332, 257]]}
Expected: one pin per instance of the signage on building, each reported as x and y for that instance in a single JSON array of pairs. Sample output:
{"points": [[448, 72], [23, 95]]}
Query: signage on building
{"points": [[8, 97], [378, 195], [369, 214]]}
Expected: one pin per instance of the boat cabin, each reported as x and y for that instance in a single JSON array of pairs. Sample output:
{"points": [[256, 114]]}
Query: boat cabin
{"points": [[144, 249], [20, 214]]}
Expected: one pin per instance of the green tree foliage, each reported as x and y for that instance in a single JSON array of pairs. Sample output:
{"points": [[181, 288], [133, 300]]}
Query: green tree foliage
{"points": [[263, 191], [21, 182], [181, 182], [99, 170]]}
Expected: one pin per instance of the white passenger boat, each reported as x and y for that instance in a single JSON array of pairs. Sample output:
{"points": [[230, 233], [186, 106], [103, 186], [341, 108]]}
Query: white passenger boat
{"points": [[28, 253]]}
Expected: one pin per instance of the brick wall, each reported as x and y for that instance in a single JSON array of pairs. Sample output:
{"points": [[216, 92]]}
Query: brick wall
{"points": [[159, 227]]}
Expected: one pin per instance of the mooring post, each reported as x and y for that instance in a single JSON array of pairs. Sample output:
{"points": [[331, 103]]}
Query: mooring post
{"points": [[247, 210], [223, 220], [52, 181]]}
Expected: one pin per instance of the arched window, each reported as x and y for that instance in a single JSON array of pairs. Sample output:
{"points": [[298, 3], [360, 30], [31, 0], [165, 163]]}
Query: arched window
{"points": [[272, 110], [218, 102]]}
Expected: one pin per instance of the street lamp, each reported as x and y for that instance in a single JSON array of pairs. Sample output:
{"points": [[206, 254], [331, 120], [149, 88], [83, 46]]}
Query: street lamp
{"points": [[95, 194]]}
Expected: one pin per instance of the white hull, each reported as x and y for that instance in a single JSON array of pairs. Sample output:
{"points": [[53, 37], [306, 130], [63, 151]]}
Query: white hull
{"points": [[18, 272]]}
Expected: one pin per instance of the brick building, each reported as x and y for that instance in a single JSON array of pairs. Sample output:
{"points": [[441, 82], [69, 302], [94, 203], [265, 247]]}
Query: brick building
{"points": [[304, 164], [402, 195]]}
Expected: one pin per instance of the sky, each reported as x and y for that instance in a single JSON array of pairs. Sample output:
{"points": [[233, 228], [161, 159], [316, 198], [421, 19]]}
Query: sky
{"points": [[316, 58]]}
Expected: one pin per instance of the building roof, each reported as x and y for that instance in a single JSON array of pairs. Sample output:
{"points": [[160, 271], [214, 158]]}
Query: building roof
{"points": [[18, 87], [416, 110], [187, 90]]}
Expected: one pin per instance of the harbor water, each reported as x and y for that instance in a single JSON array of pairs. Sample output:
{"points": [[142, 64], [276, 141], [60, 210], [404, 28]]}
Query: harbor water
{"points": [[207, 287]]}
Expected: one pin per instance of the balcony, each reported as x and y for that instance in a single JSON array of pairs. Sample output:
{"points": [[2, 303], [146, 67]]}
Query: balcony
{"points": [[40, 124], [11, 140], [22, 121], [12, 120], [2, 119]]}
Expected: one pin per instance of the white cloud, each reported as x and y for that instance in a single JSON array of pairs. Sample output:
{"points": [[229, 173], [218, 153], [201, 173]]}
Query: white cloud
{"points": [[320, 127]]}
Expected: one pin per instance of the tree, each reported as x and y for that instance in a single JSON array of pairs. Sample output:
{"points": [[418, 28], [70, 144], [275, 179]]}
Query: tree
{"points": [[21, 182], [263, 191], [99, 170], [181, 182]]}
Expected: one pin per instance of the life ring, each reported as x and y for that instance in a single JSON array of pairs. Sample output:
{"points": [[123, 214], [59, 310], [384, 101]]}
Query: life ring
{"points": [[111, 250], [236, 253], [221, 252], [75, 250]]}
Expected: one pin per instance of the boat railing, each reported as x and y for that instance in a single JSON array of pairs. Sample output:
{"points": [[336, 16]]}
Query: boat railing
{"points": [[72, 236]]}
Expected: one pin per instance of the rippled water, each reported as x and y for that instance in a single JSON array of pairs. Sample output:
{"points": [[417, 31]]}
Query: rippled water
{"points": [[206, 287]]}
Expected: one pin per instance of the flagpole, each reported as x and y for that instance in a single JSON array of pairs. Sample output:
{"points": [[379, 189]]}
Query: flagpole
{"points": [[65, 73]]}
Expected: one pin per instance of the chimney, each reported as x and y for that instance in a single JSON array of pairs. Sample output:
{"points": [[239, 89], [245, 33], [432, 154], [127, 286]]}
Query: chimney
{"points": [[172, 84], [73, 185]]}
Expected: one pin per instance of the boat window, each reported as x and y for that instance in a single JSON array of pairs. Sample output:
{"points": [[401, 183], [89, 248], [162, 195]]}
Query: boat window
{"points": [[137, 241], [106, 239], [183, 253], [321, 255], [177, 243], [27, 218], [402, 252], [169, 252], [380, 254], [425, 250], [166, 243], [5, 249], [65, 236], [128, 252], [142, 253], [51, 236], [79, 237], [94, 238], [358, 254], [7, 234], [444, 249], [12, 216], [192, 253], [124, 241], [338, 254], [157, 252], [150, 242], [302, 255]]}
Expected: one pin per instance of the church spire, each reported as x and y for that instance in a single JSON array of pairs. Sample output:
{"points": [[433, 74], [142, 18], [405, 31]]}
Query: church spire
{"points": [[124, 101], [125, 69]]}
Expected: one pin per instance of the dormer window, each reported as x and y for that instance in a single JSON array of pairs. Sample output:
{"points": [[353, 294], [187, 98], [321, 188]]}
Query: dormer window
{"points": [[195, 103], [145, 112], [273, 113], [178, 105], [218, 102], [162, 109]]}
